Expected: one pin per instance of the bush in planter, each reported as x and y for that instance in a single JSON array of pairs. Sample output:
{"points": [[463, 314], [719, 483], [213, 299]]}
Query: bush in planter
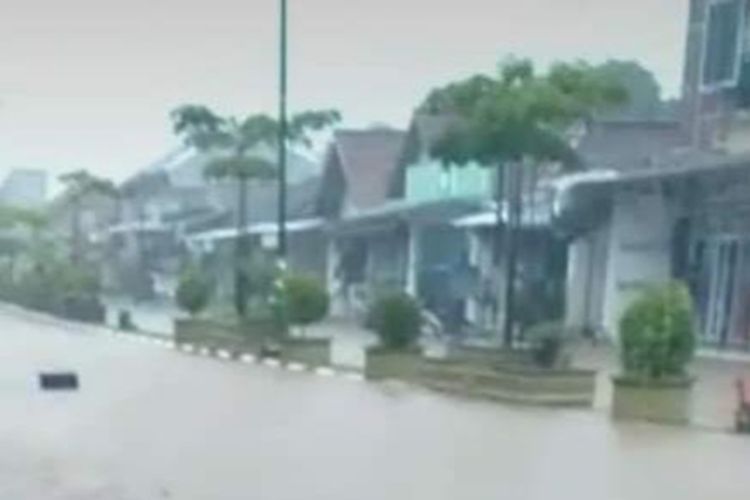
{"points": [[657, 342], [193, 291], [397, 320], [306, 300], [657, 334]]}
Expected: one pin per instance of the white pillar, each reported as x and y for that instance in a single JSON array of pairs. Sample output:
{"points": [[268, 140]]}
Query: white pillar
{"points": [[412, 260], [332, 282]]}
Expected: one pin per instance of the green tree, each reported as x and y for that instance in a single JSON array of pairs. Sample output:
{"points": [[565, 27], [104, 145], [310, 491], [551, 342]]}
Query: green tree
{"points": [[513, 121], [80, 184], [644, 93], [235, 144], [22, 230]]}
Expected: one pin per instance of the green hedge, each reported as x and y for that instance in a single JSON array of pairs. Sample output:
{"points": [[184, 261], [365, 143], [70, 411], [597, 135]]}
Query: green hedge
{"points": [[657, 334], [193, 290], [306, 300], [397, 320]]}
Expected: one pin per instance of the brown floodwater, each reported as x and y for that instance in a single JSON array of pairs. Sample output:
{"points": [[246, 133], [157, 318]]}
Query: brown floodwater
{"points": [[151, 423]]}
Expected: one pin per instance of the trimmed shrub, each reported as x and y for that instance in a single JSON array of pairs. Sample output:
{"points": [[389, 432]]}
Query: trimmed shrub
{"points": [[306, 300], [657, 334], [193, 290], [397, 320]]}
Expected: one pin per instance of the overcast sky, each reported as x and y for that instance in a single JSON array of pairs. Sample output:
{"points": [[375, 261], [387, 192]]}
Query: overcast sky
{"points": [[89, 83]]}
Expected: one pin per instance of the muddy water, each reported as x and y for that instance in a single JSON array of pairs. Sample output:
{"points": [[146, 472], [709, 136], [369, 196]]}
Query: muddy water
{"points": [[153, 423]]}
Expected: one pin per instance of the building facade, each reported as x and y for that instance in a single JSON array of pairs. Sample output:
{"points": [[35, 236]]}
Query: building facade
{"points": [[25, 188], [681, 214]]}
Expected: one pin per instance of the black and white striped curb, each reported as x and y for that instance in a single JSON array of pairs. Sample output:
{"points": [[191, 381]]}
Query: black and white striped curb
{"points": [[244, 358], [167, 343]]}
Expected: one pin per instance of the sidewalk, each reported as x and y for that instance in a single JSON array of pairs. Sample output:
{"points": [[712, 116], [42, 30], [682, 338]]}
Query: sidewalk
{"points": [[714, 396]]}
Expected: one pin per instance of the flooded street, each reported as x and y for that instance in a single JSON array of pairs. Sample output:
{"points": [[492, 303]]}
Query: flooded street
{"points": [[152, 423]]}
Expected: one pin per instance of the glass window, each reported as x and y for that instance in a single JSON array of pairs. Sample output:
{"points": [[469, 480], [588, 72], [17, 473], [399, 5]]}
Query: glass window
{"points": [[723, 41]]}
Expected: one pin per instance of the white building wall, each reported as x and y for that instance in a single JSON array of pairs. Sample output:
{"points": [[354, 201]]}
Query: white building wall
{"points": [[484, 308], [588, 259], [639, 250]]}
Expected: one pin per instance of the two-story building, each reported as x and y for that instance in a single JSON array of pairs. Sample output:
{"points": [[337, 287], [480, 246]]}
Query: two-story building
{"points": [[680, 210]]}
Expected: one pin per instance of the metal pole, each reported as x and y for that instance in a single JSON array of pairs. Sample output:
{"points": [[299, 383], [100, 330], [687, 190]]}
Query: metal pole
{"points": [[241, 249], [515, 184], [282, 242]]}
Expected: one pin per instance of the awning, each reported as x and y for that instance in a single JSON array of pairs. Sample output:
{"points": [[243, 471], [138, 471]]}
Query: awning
{"points": [[261, 228], [138, 227], [540, 214], [400, 212]]}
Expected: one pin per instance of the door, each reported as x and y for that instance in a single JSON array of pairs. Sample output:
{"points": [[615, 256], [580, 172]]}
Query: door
{"points": [[740, 328], [723, 262]]}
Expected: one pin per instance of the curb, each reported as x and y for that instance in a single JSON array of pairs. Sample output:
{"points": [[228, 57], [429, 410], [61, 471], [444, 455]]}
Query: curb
{"points": [[243, 358], [156, 340]]}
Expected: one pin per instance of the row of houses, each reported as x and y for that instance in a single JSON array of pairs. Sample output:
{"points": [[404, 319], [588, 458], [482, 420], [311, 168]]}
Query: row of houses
{"points": [[658, 200]]}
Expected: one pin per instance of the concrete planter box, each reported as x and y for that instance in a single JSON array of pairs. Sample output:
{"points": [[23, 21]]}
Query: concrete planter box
{"points": [[666, 402], [311, 352], [511, 383], [488, 356], [381, 363], [236, 338]]}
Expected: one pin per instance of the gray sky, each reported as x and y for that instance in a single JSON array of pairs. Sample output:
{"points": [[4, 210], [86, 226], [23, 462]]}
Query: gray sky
{"points": [[89, 83]]}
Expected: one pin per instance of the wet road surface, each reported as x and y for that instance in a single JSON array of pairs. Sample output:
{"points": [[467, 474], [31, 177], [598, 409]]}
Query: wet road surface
{"points": [[152, 423]]}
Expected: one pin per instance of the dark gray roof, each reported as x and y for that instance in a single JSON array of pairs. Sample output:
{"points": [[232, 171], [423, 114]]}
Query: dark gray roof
{"points": [[302, 203], [432, 128], [367, 159], [630, 145], [686, 164]]}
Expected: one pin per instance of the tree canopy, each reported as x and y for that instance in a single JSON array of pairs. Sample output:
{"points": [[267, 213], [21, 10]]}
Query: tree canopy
{"points": [[80, 183], [519, 114], [11, 216], [644, 93], [236, 140]]}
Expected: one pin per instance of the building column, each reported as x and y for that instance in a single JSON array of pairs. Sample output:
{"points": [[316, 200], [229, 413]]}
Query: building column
{"points": [[333, 284], [412, 260]]}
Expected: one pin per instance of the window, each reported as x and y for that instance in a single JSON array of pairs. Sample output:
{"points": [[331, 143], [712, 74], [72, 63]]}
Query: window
{"points": [[721, 60]]}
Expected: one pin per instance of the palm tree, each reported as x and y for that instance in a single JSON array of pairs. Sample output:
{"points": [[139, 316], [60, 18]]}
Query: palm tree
{"points": [[236, 144], [78, 185]]}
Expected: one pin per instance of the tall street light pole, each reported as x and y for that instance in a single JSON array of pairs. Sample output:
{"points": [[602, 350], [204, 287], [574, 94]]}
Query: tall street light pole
{"points": [[282, 240]]}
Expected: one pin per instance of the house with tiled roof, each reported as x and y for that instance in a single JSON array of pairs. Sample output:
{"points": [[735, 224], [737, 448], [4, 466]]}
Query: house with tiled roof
{"points": [[357, 174], [401, 219], [358, 170], [422, 177], [670, 201], [165, 204]]}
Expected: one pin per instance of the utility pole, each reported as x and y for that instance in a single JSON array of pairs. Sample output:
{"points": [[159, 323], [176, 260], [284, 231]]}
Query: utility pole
{"points": [[514, 184], [282, 240]]}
